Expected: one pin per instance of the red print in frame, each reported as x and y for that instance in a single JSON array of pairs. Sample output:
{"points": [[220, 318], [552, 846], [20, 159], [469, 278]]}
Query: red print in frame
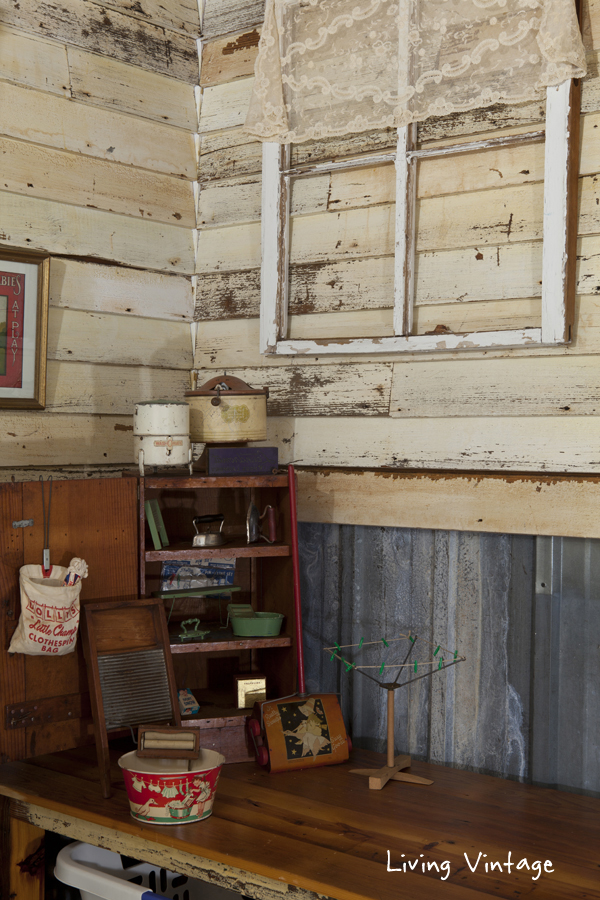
{"points": [[24, 296], [12, 306]]}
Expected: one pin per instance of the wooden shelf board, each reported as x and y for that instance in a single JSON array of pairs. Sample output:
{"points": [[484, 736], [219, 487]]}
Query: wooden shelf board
{"points": [[182, 482], [238, 548], [216, 642], [219, 718], [217, 710]]}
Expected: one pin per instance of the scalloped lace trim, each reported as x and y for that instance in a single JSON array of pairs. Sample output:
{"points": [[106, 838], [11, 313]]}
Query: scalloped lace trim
{"points": [[332, 67]]}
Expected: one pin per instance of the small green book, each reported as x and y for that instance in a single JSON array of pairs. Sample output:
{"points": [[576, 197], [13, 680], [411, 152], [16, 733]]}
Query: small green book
{"points": [[155, 523], [162, 531]]}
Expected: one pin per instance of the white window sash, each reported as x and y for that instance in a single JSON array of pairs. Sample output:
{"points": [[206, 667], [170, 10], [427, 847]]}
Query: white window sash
{"points": [[558, 256]]}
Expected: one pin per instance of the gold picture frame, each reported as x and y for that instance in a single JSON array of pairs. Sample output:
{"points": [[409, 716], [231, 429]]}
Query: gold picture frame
{"points": [[24, 293]]}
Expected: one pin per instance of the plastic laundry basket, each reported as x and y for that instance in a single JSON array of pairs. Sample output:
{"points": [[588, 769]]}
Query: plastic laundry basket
{"points": [[100, 875]]}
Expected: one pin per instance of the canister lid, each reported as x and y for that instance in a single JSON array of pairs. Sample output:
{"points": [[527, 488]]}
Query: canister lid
{"points": [[228, 385]]}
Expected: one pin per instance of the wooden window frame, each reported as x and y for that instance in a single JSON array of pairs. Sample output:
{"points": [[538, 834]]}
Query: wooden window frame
{"points": [[561, 171]]}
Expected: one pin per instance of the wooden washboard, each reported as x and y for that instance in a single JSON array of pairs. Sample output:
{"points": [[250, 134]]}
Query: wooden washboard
{"points": [[130, 670]]}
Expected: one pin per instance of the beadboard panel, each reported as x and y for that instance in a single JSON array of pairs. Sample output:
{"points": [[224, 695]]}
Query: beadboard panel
{"points": [[31, 439], [75, 335], [41, 118], [107, 390], [115, 289], [509, 504], [98, 184], [109, 33], [116, 85], [30, 60], [71, 230]]}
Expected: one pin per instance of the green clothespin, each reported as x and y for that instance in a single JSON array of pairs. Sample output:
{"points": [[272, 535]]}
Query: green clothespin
{"points": [[416, 665], [382, 668], [385, 642], [435, 652]]}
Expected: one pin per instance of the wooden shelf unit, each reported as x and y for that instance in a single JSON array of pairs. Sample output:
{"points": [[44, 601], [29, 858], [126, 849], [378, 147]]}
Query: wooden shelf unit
{"points": [[264, 574]]}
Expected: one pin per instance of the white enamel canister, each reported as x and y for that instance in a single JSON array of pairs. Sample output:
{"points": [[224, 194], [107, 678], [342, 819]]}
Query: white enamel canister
{"points": [[226, 409], [161, 428]]}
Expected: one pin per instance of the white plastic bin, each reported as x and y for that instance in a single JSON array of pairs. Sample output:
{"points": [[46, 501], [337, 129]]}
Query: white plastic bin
{"points": [[99, 875]]}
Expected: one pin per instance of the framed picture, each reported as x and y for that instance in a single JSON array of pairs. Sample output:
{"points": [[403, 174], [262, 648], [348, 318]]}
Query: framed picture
{"points": [[24, 288]]}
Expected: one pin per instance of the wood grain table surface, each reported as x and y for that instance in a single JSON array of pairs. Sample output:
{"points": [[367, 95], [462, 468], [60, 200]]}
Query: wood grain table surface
{"points": [[324, 832]]}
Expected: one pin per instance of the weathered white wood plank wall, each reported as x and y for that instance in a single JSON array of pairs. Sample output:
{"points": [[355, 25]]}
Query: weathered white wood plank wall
{"points": [[478, 265], [97, 167]]}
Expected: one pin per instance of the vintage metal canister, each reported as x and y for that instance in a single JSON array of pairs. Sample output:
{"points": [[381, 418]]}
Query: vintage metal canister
{"points": [[161, 428], [226, 409]]}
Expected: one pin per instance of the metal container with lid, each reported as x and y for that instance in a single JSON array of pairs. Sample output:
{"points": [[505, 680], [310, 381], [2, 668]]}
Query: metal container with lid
{"points": [[226, 409], [161, 433]]}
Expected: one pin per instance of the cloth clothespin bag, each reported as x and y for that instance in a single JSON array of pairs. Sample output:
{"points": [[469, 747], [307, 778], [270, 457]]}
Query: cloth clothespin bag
{"points": [[49, 618]]}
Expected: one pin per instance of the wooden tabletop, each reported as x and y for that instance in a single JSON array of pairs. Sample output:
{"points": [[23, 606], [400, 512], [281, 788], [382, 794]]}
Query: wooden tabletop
{"points": [[324, 831]]}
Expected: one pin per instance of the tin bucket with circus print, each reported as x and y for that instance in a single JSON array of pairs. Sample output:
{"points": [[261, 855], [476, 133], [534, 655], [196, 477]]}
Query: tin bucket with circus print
{"points": [[166, 792]]}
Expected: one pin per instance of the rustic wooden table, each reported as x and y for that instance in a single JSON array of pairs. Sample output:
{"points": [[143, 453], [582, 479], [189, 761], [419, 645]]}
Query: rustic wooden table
{"points": [[323, 832]]}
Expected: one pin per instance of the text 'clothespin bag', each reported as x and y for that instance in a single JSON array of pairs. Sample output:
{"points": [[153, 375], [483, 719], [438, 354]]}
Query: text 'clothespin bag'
{"points": [[49, 610]]}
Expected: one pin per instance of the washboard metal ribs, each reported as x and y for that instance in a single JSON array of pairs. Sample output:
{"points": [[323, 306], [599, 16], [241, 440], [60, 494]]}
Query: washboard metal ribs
{"points": [[130, 670], [147, 698]]}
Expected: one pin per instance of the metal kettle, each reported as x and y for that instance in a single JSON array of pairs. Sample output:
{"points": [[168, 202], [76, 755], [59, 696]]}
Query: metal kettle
{"points": [[209, 538]]}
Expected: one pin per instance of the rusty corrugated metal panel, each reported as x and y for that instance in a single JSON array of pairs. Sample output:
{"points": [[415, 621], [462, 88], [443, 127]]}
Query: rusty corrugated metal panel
{"points": [[566, 665], [526, 703], [455, 588]]}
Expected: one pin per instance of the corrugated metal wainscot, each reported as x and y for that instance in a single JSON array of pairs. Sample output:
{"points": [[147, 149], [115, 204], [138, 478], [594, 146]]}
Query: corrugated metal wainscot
{"points": [[525, 704]]}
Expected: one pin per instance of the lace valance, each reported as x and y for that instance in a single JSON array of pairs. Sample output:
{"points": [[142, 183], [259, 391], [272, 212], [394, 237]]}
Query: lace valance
{"points": [[333, 67]]}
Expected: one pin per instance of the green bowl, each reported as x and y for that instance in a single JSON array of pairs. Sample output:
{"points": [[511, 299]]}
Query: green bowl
{"points": [[261, 624]]}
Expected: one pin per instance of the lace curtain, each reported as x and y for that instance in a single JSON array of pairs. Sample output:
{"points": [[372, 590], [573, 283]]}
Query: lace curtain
{"points": [[332, 67]]}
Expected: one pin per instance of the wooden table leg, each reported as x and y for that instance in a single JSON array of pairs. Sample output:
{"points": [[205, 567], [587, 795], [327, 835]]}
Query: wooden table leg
{"points": [[18, 840]]}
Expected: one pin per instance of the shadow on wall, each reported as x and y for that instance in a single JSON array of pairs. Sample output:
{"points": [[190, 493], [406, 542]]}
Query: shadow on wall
{"points": [[523, 705]]}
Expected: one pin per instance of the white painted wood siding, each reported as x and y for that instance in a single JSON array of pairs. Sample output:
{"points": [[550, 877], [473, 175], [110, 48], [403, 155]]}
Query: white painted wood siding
{"points": [[97, 168], [478, 265]]}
